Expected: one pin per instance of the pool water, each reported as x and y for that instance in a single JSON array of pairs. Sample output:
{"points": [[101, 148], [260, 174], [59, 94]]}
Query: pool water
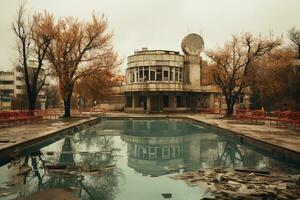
{"points": [[131, 160]]}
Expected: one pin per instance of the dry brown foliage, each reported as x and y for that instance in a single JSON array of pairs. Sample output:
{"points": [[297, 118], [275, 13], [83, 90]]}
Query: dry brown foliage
{"points": [[277, 82], [96, 87], [80, 51], [231, 65]]}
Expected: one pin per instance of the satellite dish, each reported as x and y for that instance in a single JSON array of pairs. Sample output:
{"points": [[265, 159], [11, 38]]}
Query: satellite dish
{"points": [[192, 44]]}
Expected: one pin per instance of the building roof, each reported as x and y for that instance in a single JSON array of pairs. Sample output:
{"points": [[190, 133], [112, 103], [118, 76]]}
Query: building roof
{"points": [[155, 51]]}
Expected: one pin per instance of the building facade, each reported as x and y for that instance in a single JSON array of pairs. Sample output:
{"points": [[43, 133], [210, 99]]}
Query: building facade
{"points": [[160, 80], [12, 86]]}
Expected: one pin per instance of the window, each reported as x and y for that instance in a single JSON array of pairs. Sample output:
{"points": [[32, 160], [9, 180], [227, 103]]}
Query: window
{"points": [[146, 73], [136, 73], [7, 82], [141, 74], [152, 153], [140, 152], [152, 149], [131, 76], [166, 152], [166, 75], [180, 74], [152, 75], [171, 151], [159, 74], [145, 153], [159, 152], [176, 152]]}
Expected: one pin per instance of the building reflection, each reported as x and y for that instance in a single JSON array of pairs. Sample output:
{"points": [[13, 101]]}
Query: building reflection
{"points": [[160, 147], [154, 156]]}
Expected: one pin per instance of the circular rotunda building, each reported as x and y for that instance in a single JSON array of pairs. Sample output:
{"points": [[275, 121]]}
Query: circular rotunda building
{"points": [[168, 81]]}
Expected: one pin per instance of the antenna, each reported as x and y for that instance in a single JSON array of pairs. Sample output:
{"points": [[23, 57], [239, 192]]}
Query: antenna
{"points": [[192, 44]]}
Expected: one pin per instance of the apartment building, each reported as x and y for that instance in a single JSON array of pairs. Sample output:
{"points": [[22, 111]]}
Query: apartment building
{"points": [[12, 86]]}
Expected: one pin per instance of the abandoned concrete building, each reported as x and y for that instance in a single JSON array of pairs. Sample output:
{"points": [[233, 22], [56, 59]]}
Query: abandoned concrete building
{"points": [[160, 80]]}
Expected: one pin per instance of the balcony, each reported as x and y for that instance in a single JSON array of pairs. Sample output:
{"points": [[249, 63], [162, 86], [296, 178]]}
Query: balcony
{"points": [[167, 86], [6, 87], [7, 77], [154, 86]]}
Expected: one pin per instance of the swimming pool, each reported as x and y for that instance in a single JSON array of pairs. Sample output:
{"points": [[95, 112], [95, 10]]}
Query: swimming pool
{"points": [[129, 159]]}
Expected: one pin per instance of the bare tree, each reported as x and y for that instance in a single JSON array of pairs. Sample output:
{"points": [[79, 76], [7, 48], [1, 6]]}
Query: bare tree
{"points": [[79, 50], [294, 36], [34, 35], [232, 64]]}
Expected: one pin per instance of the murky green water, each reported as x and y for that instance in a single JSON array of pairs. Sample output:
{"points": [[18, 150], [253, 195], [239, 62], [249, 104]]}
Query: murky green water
{"points": [[129, 160]]}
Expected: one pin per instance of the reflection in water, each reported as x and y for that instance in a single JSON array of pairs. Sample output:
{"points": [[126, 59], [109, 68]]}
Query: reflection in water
{"points": [[141, 149], [86, 185], [185, 145]]}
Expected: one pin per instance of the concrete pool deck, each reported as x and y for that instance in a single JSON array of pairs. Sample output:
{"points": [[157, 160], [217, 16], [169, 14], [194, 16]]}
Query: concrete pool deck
{"points": [[289, 139], [13, 137], [285, 143]]}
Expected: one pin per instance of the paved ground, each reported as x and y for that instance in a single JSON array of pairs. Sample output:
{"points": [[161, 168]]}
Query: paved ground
{"points": [[287, 139], [11, 136]]}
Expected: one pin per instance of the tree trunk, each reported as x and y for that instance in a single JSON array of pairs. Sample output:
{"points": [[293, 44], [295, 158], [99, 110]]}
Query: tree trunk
{"points": [[230, 105], [229, 110], [31, 102], [67, 106]]}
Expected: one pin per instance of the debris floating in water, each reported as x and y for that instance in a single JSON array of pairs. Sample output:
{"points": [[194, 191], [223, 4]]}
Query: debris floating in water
{"points": [[48, 194], [167, 195], [25, 169], [227, 183]]}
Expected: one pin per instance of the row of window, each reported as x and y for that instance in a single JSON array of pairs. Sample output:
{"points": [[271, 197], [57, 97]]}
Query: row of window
{"points": [[7, 82], [142, 74], [6, 73], [146, 152]]}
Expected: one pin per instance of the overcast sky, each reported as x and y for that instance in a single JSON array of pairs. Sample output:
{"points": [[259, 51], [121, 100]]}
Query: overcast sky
{"points": [[162, 24]]}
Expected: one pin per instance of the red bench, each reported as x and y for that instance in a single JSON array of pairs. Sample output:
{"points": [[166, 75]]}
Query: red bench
{"points": [[286, 118], [48, 113], [7, 118], [256, 115], [98, 111], [17, 117], [240, 114], [75, 112]]}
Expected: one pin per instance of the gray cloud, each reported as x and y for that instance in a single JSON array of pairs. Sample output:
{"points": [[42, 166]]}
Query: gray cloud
{"points": [[161, 24]]}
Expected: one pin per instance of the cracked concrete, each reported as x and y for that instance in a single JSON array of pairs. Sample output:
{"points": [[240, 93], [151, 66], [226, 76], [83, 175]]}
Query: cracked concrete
{"points": [[14, 136]]}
